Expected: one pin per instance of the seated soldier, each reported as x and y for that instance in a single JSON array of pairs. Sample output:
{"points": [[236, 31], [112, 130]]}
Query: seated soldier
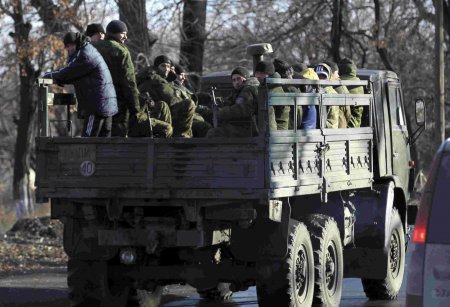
{"points": [[287, 72], [344, 111], [309, 116], [347, 69], [238, 117], [324, 73], [160, 123], [154, 81], [199, 126], [278, 115]]}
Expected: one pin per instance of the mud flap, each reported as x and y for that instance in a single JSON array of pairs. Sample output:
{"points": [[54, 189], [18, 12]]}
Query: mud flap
{"points": [[264, 239]]}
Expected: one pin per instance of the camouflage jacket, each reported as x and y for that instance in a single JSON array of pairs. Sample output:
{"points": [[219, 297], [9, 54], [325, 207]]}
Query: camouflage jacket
{"points": [[244, 103], [356, 111], [118, 58], [159, 88]]}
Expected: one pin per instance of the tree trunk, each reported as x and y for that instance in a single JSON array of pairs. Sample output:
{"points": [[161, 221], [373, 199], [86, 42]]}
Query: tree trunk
{"points": [[22, 194], [336, 27], [140, 39], [380, 43], [193, 35]]}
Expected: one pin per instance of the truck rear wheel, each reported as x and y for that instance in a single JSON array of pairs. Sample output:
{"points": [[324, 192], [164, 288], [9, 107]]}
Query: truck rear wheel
{"points": [[290, 282], [388, 288], [89, 285], [328, 259], [219, 293]]}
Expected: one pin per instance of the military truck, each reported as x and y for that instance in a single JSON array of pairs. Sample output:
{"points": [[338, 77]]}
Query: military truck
{"points": [[291, 212]]}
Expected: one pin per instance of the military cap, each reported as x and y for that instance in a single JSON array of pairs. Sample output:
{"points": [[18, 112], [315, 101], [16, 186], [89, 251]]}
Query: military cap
{"points": [[161, 59]]}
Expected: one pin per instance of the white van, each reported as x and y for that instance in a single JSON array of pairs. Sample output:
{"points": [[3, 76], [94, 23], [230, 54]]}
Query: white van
{"points": [[428, 281]]}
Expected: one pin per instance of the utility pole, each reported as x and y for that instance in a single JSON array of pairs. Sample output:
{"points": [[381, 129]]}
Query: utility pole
{"points": [[439, 63]]}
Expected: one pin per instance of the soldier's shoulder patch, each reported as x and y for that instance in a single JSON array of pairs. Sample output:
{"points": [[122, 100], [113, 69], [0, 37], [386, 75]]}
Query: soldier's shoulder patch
{"points": [[240, 100]]}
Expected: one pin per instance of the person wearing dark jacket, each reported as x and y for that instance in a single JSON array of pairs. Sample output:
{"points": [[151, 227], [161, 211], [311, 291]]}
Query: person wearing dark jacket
{"points": [[118, 58], [94, 88]]}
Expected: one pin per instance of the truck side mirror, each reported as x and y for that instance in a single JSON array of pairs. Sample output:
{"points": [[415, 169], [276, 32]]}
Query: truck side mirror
{"points": [[420, 112], [421, 120]]}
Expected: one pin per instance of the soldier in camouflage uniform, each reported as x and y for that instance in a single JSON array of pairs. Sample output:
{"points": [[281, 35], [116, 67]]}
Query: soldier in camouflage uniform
{"points": [[238, 117], [344, 111], [154, 81], [347, 69], [118, 58], [278, 115], [324, 73], [286, 71], [199, 126]]}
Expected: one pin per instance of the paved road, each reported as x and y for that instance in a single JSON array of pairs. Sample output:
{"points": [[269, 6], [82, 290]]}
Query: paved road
{"points": [[50, 290]]}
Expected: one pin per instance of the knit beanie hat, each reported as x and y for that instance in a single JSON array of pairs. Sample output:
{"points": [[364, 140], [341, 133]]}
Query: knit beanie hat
{"points": [[75, 38], [282, 67], [323, 69], [299, 67], [94, 28], [346, 66], [179, 69], [161, 59], [116, 26], [265, 67], [241, 71]]}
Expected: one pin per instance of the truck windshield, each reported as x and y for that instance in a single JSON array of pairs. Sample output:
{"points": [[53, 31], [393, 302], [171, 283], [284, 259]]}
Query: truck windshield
{"points": [[439, 227]]}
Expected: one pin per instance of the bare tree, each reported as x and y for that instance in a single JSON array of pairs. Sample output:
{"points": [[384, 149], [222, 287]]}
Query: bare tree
{"points": [[193, 35], [141, 40]]}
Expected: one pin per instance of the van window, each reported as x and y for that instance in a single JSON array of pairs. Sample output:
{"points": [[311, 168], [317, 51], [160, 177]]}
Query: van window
{"points": [[439, 221]]}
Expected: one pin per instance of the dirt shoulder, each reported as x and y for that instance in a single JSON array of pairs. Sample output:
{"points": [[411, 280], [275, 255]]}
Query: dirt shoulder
{"points": [[32, 245]]}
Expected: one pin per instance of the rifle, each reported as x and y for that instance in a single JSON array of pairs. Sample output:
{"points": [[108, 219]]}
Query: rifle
{"points": [[214, 107], [148, 100]]}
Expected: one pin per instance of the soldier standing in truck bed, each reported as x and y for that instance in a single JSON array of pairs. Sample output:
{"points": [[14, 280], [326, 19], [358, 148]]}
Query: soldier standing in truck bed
{"points": [[238, 117], [154, 81], [118, 58], [324, 73]]}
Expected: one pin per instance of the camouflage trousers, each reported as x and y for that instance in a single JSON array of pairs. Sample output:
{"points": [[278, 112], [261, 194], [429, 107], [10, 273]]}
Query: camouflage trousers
{"points": [[200, 127], [120, 122], [161, 122], [182, 117]]}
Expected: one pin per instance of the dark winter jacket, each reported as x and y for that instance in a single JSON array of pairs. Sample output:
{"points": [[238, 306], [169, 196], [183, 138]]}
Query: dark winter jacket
{"points": [[118, 58], [90, 75]]}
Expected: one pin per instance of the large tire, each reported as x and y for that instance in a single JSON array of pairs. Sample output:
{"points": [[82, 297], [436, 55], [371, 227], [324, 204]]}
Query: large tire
{"points": [[219, 293], [89, 285], [290, 282], [328, 259], [388, 288]]}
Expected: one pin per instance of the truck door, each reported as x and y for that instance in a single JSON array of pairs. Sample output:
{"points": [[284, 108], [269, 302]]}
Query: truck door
{"points": [[400, 153]]}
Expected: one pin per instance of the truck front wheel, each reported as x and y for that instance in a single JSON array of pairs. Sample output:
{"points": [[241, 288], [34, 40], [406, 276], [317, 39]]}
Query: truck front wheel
{"points": [[289, 282], [388, 288], [328, 259]]}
